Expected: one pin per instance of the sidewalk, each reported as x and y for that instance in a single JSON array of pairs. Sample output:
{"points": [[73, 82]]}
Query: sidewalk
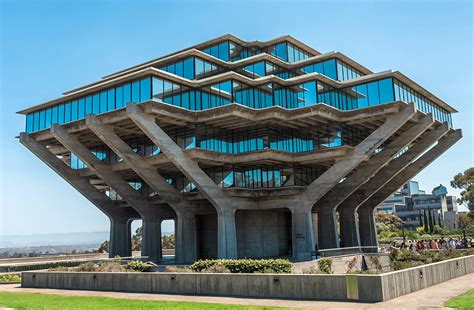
{"points": [[429, 298]]}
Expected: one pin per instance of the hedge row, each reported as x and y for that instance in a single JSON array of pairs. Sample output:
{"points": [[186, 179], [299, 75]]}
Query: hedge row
{"points": [[246, 265]]}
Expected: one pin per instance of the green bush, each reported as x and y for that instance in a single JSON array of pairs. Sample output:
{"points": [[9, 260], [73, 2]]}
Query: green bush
{"points": [[245, 265], [7, 278], [139, 266], [325, 265]]}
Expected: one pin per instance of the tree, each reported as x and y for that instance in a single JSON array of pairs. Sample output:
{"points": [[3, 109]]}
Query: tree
{"points": [[104, 247], [465, 222], [137, 239], [168, 242], [421, 219], [425, 220], [465, 182]]}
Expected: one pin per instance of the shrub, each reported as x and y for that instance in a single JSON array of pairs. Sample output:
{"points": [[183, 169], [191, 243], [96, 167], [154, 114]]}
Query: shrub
{"points": [[7, 278], [217, 268], [139, 266], [311, 270], [325, 265], [245, 265], [176, 269], [352, 264], [88, 267]]}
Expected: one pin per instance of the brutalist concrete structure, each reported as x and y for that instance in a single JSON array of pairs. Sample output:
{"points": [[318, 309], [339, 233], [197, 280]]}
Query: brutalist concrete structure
{"points": [[251, 147]]}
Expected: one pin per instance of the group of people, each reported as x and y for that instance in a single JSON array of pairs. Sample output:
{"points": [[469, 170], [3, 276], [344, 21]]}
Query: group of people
{"points": [[438, 244]]}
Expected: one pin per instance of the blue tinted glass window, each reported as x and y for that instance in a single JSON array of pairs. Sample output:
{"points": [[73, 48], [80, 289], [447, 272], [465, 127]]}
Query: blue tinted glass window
{"points": [[36, 121], [291, 53], [157, 89], [48, 118], [330, 69], [67, 112], [145, 89], [386, 90], [54, 115], [74, 110], [224, 51], [96, 104], [111, 100], [61, 114], [373, 93], [29, 123], [103, 101], [188, 67], [281, 51], [88, 104], [82, 108], [119, 103], [42, 120], [136, 92], [127, 93]]}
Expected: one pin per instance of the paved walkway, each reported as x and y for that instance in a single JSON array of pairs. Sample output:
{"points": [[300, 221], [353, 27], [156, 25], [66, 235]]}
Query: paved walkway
{"points": [[429, 298]]}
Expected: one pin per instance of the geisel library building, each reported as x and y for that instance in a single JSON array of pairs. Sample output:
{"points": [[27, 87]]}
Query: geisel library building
{"points": [[254, 149]]}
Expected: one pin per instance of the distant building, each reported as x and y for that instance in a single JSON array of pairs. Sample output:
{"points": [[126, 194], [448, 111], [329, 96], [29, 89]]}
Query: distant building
{"points": [[410, 204]]}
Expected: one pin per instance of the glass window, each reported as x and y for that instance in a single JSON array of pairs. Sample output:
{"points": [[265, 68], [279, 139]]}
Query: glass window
{"points": [[81, 108], [95, 104], [111, 99], [88, 104], [67, 112], [54, 115], [119, 103], [74, 110], [330, 69], [158, 89], [103, 102], [61, 114], [136, 92], [36, 121], [127, 93], [145, 89], [224, 51], [386, 90], [373, 93], [188, 68], [29, 123], [48, 118], [281, 51]]}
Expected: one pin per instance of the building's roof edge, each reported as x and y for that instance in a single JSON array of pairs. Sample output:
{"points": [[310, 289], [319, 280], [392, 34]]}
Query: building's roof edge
{"points": [[231, 37]]}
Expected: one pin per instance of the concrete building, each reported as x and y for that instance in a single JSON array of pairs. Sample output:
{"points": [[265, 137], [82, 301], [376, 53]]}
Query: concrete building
{"points": [[251, 147], [410, 204]]}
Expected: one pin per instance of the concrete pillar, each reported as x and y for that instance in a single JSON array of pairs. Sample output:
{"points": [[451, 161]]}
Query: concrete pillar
{"points": [[348, 227], [367, 229], [185, 234], [302, 235], [226, 234], [151, 238], [120, 243], [327, 229]]}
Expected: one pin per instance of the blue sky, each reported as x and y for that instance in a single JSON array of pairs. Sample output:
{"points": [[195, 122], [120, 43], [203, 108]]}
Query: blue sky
{"points": [[48, 47]]}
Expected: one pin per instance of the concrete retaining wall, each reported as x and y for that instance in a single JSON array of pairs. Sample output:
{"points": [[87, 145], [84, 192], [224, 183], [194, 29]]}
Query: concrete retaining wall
{"points": [[368, 288]]}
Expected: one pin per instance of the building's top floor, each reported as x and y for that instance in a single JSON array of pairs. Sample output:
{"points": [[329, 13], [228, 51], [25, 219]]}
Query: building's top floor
{"points": [[283, 72]]}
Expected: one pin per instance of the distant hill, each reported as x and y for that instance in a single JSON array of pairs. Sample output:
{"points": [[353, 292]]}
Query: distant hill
{"points": [[55, 239]]}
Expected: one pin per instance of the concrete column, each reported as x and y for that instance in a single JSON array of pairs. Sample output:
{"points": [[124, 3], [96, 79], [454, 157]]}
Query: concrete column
{"points": [[151, 238], [185, 234], [327, 229], [367, 229], [349, 227], [302, 235], [226, 234], [120, 242]]}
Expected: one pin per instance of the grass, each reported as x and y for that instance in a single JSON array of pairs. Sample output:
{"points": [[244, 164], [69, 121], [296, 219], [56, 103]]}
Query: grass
{"points": [[46, 301], [465, 301]]}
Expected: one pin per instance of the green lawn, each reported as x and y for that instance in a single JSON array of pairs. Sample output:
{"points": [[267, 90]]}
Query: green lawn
{"points": [[45, 301], [465, 301]]}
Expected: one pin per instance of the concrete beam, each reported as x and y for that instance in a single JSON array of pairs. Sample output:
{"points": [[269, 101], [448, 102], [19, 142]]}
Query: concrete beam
{"points": [[357, 178], [120, 217], [151, 244], [366, 209], [331, 177], [227, 242], [185, 241]]}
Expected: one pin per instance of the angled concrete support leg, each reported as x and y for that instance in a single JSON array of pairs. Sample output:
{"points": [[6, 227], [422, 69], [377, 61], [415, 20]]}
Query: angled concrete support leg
{"points": [[302, 235], [186, 243], [120, 243], [151, 238], [349, 228], [226, 234], [327, 229], [367, 230]]}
